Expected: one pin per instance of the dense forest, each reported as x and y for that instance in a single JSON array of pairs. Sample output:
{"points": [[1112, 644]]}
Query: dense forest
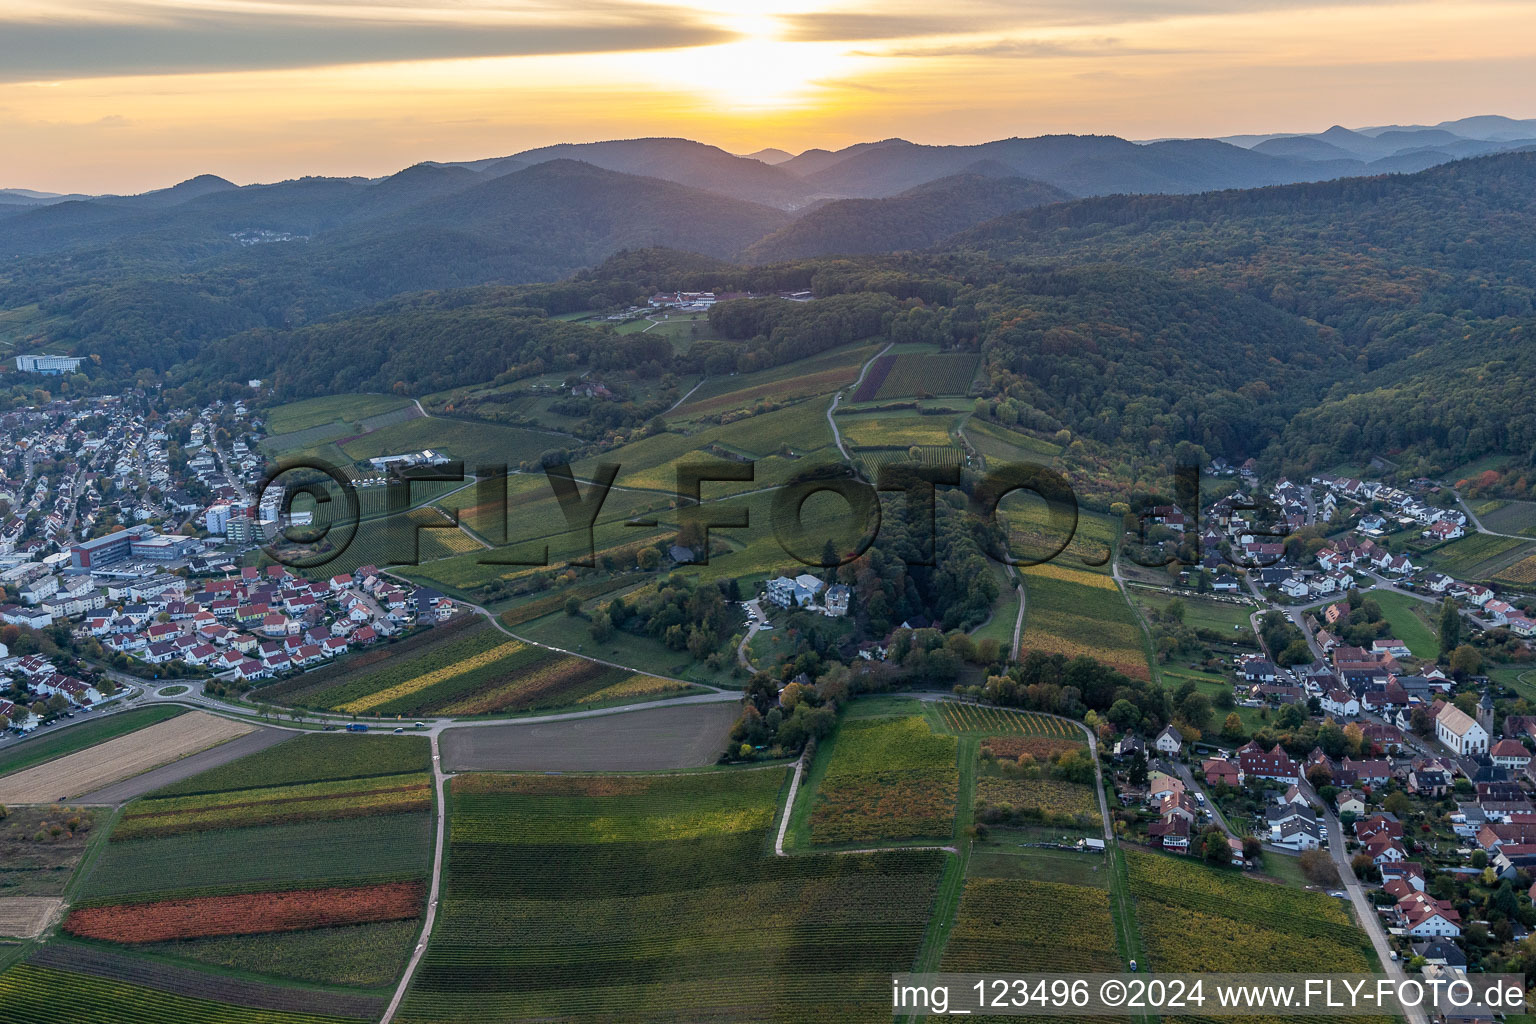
{"points": [[1307, 324]]}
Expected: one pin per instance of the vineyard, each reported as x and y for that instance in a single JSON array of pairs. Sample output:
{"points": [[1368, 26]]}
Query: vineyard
{"points": [[915, 374], [1193, 916], [887, 430], [1077, 613], [1008, 924], [474, 670], [888, 779], [876, 459], [301, 688], [275, 805], [32, 994], [682, 908], [979, 719], [315, 757], [254, 914], [1048, 800], [1522, 572]]}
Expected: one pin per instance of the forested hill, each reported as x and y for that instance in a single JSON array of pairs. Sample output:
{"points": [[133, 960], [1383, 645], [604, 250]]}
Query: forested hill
{"points": [[1429, 281], [916, 219], [1454, 239]]}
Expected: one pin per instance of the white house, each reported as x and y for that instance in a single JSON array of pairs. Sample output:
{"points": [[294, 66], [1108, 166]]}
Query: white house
{"points": [[1169, 741], [1340, 704], [1460, 732]]}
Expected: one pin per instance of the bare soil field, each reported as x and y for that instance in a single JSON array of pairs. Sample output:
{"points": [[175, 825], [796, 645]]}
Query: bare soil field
{"points": [[39, 848], [195, 764], [26, 917], [118, 759], [685, 736]]}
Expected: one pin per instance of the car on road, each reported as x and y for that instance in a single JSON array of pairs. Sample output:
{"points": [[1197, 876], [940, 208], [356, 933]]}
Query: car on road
{"points": [[400, 730], [419, 725], [1339, 894]]}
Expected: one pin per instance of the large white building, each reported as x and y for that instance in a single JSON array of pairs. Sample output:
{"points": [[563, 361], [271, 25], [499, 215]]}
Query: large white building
{"points": [[1460, 731], [47, 364]]}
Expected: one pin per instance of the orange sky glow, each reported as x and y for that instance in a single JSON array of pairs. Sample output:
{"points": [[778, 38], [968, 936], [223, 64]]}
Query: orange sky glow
{"points": [[103, 95]]}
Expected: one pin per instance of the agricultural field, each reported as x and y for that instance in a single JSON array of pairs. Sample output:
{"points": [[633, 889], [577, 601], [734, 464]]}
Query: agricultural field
{"points": [[886, 779], [1410, 619], [331, 800], [67, 740], [651, 858], [1001, 928], [312, 757], [1074, 612], [876, 459], [984, 720], [27, 917], [120, 758], [1201, 612], [917, 375], [39, 848], [34, 994], [476, 670], [998, 444], [894, 430], [1478, 556], [1197, 917], [805, 378], [476, 443], [320, 412], [650, 739], [1033, 536], [1518, 517], [246, 888]]}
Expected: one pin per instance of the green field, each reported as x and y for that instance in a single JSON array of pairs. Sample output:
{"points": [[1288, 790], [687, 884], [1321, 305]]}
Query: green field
{"points": [[475, 443], [1477, 556], [1410, 620], [268, 858], [38, 749], [330, 409], [44, 995], [1509, 517], [683, 911], [313, 757], [818, 375], [894, 430]]}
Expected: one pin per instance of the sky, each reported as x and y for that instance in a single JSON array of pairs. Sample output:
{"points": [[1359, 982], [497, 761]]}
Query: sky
{"points": [[127, 95]]}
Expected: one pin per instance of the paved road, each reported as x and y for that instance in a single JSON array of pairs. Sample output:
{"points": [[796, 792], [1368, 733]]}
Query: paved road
{"points": [[837, 436], [1364, 910], [1478, 523], [757, 620], [440, 783]]}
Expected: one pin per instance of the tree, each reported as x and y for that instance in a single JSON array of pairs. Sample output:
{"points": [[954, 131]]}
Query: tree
{"points": [[648, 558], [1215, 847], [1137, 773], [1399, 804], [1450, 627], [1232, 728], [573, 606], [1196, 710], [1465, 661], [1363, 867], [1318, 867]]}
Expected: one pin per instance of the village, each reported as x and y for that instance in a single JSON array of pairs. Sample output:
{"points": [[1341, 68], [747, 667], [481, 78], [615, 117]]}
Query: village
{"points": [[1407, 779]]}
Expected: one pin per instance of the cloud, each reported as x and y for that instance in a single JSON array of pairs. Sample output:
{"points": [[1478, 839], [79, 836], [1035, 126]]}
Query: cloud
{"points": [[987, 16], [1023, 48], [150, 40]]}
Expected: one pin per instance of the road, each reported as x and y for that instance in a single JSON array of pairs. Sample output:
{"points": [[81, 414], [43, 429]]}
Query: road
{"points": [[757, 620], [1193, 785], [1018, 622], [837, 436], [1365, 911], [1478, 523], [440, 784], [689, 395]]}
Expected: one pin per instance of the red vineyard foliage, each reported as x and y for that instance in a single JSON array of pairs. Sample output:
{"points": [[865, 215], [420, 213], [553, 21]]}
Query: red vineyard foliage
{"points": [[250, 914]]}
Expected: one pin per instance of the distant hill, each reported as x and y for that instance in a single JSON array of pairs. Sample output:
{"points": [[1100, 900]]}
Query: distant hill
{"points": [[1079, 164], [770, 156], [686, 163], [916, 219]]}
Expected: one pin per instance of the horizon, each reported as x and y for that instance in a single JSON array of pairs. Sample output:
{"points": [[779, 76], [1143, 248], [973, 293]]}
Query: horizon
{"points": [[382, 173], [129, 96]]}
